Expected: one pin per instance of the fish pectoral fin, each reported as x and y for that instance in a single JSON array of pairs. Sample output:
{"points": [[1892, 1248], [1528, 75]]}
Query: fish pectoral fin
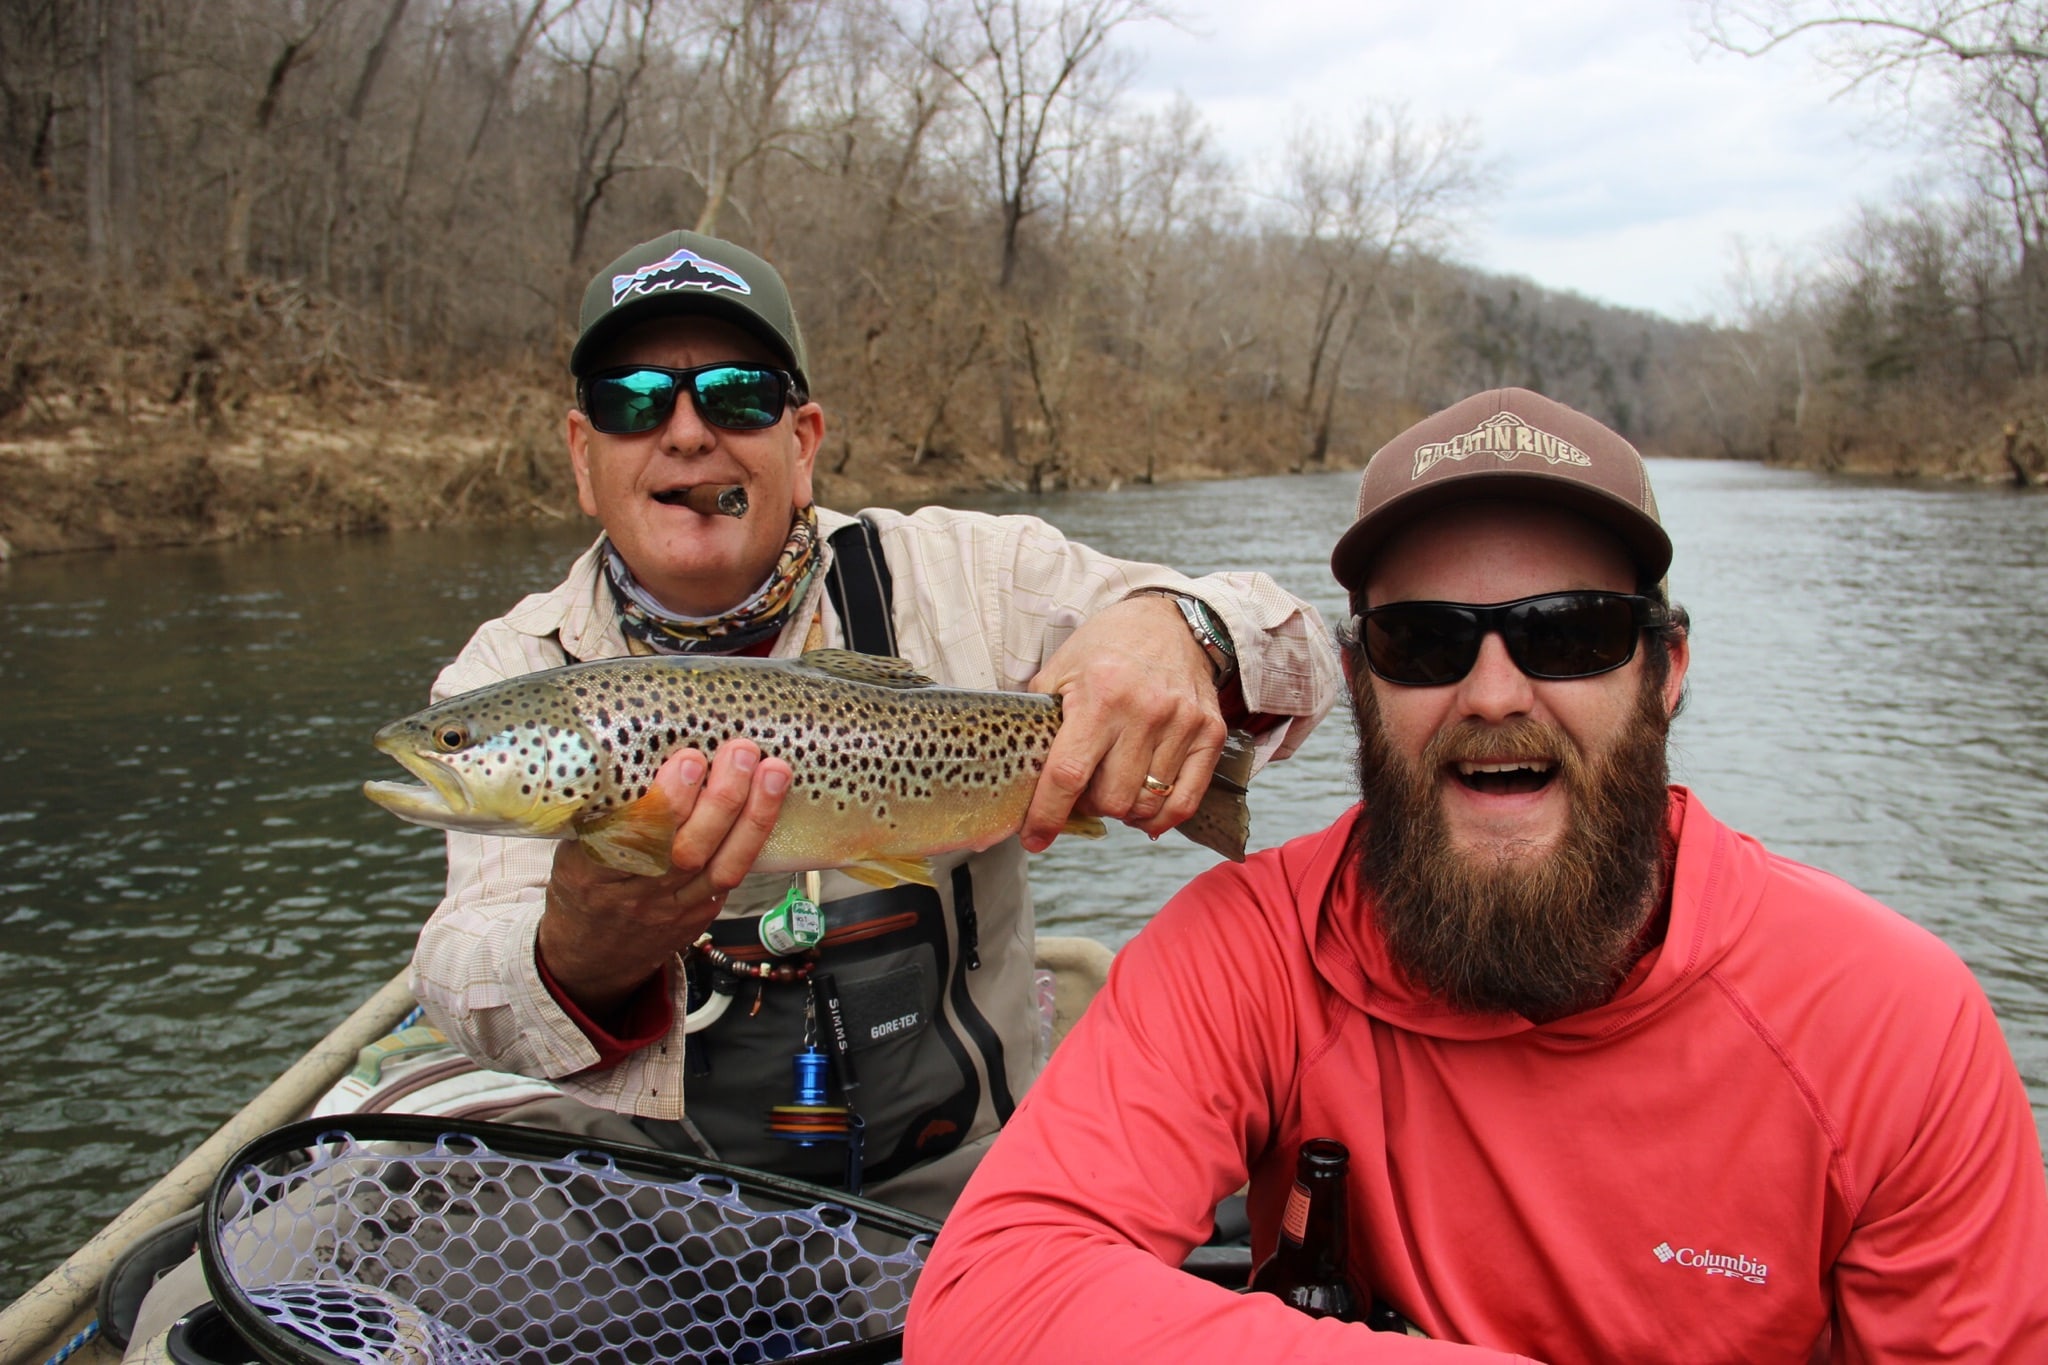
{"points": [[550, 823], [1222, 822], [1085, 826], [887, 872], [634, 838], [876, 670]]}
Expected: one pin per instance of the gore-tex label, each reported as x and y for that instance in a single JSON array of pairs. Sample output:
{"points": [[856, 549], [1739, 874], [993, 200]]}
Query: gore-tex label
{"points": [[885, 1008]]}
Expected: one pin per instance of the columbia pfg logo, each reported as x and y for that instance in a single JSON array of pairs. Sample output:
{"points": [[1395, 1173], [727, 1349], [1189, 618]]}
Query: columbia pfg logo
{"points": [[1713, 1263]]}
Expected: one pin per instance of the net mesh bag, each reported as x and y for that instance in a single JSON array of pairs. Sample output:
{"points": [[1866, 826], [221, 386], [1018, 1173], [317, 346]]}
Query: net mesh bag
{"points": [[390, 1238]]}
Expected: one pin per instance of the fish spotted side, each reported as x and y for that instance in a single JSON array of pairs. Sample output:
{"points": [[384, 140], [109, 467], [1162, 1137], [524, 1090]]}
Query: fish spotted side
{"points": [[889, 768]]}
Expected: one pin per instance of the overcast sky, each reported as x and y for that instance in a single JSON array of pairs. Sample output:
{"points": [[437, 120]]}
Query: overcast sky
{"points": [[1631, 158]]}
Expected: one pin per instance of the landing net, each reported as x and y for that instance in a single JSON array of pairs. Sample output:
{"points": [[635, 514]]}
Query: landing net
{"points": [[386, 1238]]}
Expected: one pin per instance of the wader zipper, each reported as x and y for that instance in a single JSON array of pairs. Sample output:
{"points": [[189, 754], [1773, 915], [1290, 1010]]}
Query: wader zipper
{"points": [[850, 933]]}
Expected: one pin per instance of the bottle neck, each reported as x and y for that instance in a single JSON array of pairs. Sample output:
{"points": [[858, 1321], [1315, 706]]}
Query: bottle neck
{"points": [[1315, 1226]]}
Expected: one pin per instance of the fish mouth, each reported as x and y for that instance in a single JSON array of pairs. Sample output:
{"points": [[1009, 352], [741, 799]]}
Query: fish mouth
{"points": [[439, 800], [442, 798]]}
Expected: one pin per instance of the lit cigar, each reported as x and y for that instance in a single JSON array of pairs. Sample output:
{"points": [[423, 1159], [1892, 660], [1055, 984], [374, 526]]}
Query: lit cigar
{"points": [[709, 499]]}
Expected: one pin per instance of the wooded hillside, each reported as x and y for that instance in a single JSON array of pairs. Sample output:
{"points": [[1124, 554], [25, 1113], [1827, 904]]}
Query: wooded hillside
{"points": [[253, 241]]}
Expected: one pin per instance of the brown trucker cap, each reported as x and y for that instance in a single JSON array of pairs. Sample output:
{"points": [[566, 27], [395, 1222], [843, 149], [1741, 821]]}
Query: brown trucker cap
{"points": [[688, 272], [1509, 444]]}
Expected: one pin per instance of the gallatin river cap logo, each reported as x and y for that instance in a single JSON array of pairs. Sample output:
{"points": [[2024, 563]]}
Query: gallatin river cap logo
{"points": [[1504, 435], [1713, 1263]]}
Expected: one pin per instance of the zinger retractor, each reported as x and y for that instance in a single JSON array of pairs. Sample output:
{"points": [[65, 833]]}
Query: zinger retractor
{"points": [[811, 1118]]}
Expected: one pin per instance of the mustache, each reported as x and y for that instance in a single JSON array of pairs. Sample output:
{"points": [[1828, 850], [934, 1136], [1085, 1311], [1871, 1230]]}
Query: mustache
{"points": [[1523, 739]]}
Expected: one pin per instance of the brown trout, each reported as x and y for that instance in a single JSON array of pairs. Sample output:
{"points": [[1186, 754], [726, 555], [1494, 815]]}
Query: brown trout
{"points": [[890, 769]]}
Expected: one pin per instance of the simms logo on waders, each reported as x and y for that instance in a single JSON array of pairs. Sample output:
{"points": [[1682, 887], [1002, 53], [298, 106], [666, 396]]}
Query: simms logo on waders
{"points": [[1713, 1263], [1504, 435]]}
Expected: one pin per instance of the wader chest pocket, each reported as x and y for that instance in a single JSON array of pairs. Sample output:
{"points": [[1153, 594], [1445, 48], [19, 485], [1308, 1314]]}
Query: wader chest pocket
{"points": [[891, 958], [888, 1007]]}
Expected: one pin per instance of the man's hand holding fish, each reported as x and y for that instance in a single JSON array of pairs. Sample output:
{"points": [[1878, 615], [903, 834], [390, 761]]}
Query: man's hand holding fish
{"points": [[1139, 697], [725, 811]]}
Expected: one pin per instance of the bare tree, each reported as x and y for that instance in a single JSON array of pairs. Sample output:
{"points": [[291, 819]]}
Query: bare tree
{"points": [[1357, 203], [534, 23], [252, 151], [603, 57], [1942, 294], [342, 135], [1023, 67], [1022, 64], [1159, 180], [110, 215], [1875, 39], [739, 116]]}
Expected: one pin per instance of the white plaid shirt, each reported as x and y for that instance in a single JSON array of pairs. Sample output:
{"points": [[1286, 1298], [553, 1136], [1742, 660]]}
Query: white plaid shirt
{"points": [[978, 601]]}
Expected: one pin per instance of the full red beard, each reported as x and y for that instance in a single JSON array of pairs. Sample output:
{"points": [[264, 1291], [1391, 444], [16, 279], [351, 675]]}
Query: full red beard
{"points": [[1542, 935]]}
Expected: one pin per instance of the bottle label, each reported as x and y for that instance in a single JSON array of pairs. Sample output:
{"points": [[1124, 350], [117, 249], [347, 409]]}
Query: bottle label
{"points": [[1294, 1221]]}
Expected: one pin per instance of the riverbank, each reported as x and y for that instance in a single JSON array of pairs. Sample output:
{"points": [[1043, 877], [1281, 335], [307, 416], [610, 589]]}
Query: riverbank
{"points": [[157, 474], [398, 457]]}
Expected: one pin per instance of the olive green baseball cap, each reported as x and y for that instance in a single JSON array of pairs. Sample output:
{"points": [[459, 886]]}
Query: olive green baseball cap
{"points": [[689, 273], [1507, 444]]}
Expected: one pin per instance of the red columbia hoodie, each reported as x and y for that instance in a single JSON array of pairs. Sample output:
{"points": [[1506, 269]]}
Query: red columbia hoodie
{"points": [[1795, 1134]]}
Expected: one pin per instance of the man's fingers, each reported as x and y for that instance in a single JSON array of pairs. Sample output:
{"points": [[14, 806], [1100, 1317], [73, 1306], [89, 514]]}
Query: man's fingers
{"points": [[1190, 782], [1069, 765], [1174, 747], [1139, 701], [751, 825], [719, 807]]}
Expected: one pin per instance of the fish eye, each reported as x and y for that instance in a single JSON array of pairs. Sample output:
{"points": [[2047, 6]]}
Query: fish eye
{"points": [[449, 738]]}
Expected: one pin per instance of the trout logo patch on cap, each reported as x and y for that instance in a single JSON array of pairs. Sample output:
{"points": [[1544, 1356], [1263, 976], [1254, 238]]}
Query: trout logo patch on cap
{"points": [[1504, 435], [683, 269]]}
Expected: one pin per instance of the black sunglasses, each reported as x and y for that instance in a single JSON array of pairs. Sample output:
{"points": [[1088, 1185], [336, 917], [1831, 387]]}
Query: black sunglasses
{"points": [[1555, 636], [633, 399]]}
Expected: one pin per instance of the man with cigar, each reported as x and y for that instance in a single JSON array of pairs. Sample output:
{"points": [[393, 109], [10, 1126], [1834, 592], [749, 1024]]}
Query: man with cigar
{"points": [[1617, 1084], [693, 440]]}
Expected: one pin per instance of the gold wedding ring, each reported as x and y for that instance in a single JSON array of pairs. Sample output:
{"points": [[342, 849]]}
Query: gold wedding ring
{"points": [[1156, 787]]}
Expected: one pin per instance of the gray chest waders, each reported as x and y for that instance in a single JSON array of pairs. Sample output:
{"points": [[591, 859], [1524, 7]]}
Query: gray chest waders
{"points": [[890, 984]]}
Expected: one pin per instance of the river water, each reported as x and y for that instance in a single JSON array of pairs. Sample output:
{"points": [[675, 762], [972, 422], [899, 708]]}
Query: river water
{"points": [[192, 888]]}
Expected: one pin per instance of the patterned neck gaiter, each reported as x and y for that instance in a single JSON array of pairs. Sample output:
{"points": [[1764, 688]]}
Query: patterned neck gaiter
{"points": [[749, 623]]}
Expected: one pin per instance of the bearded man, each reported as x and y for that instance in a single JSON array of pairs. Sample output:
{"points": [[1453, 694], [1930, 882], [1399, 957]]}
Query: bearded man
{"points": [[1616, 1083]]}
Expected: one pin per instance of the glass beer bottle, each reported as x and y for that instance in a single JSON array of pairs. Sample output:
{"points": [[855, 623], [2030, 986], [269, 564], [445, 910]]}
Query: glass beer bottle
{"points": [[1306, 1269]]}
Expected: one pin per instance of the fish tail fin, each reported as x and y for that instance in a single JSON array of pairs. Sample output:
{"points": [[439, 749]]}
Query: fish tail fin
{"points": [[1085, 826], [634, 838], [1223, 822]]}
